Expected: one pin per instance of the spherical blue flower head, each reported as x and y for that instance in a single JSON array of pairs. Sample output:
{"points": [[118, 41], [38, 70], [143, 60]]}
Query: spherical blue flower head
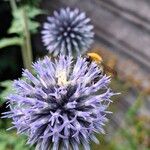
{"points": [[67, 32], [62, 105]]}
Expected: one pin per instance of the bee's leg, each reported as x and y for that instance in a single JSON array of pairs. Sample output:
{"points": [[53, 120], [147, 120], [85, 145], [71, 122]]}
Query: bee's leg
{"points": [[102, 69]]}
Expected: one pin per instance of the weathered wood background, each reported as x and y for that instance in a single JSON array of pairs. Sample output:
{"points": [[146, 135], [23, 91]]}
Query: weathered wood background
{"points": [[123, 30]]}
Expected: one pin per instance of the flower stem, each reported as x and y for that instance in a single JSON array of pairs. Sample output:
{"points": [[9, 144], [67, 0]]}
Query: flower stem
{"points": [[27, 39], [26, 48], [24, 56], [13, 5]]}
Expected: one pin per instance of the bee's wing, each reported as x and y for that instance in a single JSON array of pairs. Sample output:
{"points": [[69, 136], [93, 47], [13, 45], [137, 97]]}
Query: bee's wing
{"points": [[109, 69]]}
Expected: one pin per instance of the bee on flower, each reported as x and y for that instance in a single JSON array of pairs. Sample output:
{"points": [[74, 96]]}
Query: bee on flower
{"points": [[61, 106]]}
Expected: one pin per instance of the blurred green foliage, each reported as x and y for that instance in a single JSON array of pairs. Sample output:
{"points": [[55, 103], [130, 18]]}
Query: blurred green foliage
{"points": [[7, 85], [9, 140], [22, 26], [17, 26], [135, 132]]}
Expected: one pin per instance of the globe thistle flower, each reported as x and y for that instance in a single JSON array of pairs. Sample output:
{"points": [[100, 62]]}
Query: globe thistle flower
{"points": [[62, 105], [67, 32]]}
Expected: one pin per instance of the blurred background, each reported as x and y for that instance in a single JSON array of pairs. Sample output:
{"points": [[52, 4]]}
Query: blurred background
{"points": [[122, 37]]}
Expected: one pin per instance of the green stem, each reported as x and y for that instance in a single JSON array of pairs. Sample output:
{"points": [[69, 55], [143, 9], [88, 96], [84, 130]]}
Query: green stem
{"points": [[13, 5], [24, 56], [27, 39]]}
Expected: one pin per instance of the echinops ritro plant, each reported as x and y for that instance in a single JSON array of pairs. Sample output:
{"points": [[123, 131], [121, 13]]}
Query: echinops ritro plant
{"points": [[67, 32], [62, 105]]}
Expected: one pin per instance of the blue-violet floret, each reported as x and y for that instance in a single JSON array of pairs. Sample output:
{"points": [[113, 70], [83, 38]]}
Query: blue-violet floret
{"points": [[62, 104], [67, 32]]}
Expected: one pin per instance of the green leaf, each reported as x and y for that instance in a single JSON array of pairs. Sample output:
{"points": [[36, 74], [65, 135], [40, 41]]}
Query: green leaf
{"points": [[17, 26], [17, 23], [33, 25], [10, 41], [34, 11]]}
